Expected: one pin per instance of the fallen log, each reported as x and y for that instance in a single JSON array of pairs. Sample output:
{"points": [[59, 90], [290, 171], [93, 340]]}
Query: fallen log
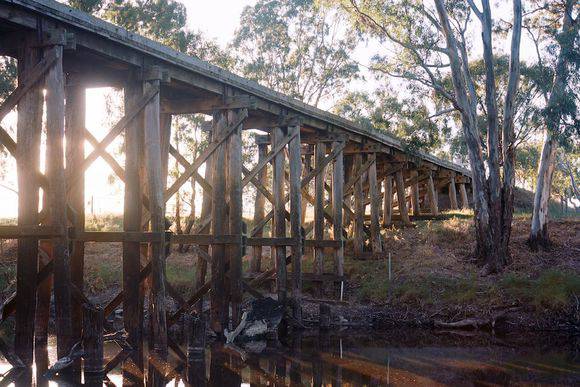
{"points": [[477, 323]]}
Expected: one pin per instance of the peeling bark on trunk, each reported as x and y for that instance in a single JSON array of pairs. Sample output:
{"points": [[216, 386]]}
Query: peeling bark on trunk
{"points": [[539, 236], [539, 230], [492, 213]]}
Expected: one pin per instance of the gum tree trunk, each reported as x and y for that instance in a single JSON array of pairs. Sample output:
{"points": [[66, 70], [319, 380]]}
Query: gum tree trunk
{"points": [[539, 230]]}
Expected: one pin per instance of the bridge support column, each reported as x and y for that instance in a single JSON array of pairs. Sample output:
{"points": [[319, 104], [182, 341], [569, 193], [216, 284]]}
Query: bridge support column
{"points": [[132, 222], [432, 193], [374, 203], [319, 180], [155, 189], [415, 193], [464, 200], [56, 175], [452, 193], [388, 200], [359, 233], [28, 132], [295, 161], [75, 154], [279, 225], [402, 198], [337, 203]]}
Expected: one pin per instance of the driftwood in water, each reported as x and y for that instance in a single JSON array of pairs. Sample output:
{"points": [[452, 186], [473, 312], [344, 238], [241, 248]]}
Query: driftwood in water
{"points": [[477, 323]]}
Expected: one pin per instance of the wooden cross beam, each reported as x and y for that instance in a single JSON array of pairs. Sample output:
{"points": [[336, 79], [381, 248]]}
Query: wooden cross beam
{"points": [[30, 79], [183, 161], [263, 163], [182, 179], [75, 174]]}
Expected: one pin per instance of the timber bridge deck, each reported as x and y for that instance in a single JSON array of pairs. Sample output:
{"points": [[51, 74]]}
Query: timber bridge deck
{"points": [[316, 158]]}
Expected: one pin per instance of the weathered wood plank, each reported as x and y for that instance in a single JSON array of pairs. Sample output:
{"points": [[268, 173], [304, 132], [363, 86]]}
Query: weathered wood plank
{"points": [[218, 315], [464, 199], [133, 300], [337, 206], [279, 225], [295, 161], [432, 194], [152, 147], [388, 200], [415, 193], [75, 111], [28, 131], [359, 235], [320, 170], [453, 192], [401, 197], [234, 184], [55, 114], [376, 244]]}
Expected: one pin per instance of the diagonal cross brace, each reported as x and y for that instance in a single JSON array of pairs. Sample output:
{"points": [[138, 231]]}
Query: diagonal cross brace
{"points": [[31, 78], [182, 179]]}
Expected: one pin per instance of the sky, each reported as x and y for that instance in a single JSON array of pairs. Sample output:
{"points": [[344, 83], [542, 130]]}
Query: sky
{"points": [[218, 20]]}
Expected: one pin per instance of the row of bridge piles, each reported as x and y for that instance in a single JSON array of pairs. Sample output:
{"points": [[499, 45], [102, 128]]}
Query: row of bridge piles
{"points": [[324, 171]]}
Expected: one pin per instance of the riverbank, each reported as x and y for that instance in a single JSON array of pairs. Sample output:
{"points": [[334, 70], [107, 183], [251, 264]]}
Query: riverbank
{"points": [[433, 283]]}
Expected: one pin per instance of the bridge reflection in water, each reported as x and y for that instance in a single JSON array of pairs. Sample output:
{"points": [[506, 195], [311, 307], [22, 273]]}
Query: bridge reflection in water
{"points": [[402, 357]]}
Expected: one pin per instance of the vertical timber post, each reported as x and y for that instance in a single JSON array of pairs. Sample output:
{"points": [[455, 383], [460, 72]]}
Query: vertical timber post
{"points": [[152, 141], [452, 192], [415, 192], [219, 228], [434, 206], [234, 184], [464, 199], [388, 201], [305, 171], [279, 226], [206, 212], [132, 221], [320, 153], [359, 234], [401, 197], [374, 197], [295, 161], [256, 260], [337, 202], [27, 163], [56, 176], [75, 153]]}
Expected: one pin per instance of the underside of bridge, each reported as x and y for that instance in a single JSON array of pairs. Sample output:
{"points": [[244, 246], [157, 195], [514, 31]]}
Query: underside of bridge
{"points": [[358, 180]]}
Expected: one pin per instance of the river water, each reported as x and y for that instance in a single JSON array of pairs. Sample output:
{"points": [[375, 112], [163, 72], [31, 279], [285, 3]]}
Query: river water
{"points": [[397, 358]]}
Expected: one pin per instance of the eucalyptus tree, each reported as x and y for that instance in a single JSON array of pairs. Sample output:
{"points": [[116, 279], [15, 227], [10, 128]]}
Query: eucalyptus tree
{"points": [[297, 47], [408, 118], [425, 45], [554, 29]]}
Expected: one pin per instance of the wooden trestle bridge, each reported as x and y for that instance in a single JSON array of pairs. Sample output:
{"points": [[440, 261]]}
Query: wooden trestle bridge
{"points": [[64, 52]]}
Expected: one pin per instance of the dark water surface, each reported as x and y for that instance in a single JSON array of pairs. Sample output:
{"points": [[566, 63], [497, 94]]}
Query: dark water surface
{"points": [[399, 358]]}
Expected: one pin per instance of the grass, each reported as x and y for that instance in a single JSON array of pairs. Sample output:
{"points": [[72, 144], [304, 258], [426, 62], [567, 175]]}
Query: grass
{"points": [[552, 289]]}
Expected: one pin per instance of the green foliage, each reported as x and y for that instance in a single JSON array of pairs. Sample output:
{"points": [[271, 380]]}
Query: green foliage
{"points": [[552, 289], [296, 47], [406, 118]]}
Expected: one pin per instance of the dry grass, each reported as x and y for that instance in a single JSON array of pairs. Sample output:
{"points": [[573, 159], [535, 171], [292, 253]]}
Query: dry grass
{"points": [[431, 268]]}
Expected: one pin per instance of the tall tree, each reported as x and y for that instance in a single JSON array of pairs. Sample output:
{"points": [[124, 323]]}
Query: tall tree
{"points": [[297, 47], [416, 31], [407, 118], [561, 112]]}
